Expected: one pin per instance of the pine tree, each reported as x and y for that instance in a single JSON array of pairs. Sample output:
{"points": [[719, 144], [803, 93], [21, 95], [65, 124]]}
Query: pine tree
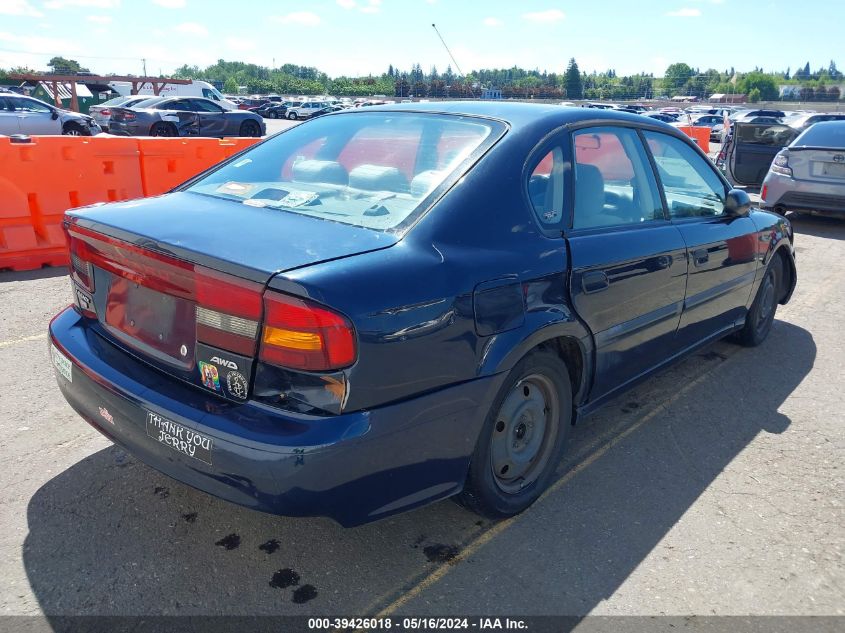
{"points": [[573, 84]]}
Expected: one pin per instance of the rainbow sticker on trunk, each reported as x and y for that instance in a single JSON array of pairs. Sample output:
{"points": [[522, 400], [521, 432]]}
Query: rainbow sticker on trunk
{"points": [[210, 376]]}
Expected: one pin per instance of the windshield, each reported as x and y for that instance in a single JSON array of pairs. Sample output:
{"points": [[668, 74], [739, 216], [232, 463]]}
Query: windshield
{"points": [[374, 170], [823, 134]]}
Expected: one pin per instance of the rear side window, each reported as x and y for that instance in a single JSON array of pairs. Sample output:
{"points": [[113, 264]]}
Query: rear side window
{"points": [[367, 169], [691, 186], [545, 188], [823, 134], [614, 182]]}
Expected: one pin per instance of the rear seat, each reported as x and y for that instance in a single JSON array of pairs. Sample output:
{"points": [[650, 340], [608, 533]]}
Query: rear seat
{"points": [[378, 178], [320, 171]]}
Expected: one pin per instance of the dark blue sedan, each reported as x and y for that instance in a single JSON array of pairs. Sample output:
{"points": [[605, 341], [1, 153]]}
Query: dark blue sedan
{"points": [[385, 307]]}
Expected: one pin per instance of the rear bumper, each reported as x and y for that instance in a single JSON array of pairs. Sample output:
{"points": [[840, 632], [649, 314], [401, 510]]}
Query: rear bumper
{"points": [[354, 468], [789, 194]]}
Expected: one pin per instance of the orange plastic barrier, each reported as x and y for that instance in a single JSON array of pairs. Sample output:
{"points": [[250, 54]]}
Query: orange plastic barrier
{"points": [[40, 179], [167, 162], [701, 136]]}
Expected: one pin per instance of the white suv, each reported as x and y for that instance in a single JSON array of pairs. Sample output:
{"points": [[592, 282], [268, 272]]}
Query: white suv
{"points": [[306, 109]]}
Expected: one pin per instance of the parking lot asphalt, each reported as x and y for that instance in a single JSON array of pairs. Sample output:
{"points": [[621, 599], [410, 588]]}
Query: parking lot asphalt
{"points": [[714, 488]]}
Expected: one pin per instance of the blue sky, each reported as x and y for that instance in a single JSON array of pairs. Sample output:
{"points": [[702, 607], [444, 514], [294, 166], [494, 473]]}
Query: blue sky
{"points": [[364, 36]]}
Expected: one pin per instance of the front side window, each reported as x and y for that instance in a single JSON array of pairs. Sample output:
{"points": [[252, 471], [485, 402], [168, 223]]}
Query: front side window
{"points": [[31, 105], [371, 170], [614, 182], [201, 105], [691, 185]]}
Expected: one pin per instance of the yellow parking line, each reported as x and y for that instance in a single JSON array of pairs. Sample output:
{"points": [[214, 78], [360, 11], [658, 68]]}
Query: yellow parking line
{"points": [[488, 535], [34, 337]]}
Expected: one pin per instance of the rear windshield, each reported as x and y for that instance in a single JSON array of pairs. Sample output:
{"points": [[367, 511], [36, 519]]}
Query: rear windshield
{"points": [[370, 169], [824, 134]]}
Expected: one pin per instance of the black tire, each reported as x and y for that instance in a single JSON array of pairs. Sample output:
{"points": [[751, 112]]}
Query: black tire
{"points": [[538, 382], [161, 128], [272, 114], [250, 128], [758, 321], [73, 129], [292, 116]]}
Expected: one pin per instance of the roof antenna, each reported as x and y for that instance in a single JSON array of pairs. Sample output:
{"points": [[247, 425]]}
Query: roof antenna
{"points": [[460, 72]]}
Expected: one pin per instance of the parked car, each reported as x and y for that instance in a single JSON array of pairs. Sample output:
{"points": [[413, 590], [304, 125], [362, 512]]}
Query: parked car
{"points": [[26, 115], [802, 121], [305, 110], [177, 116], [248, 103], [328, 110], [271, 110], [101, 112], [660, 116], [808, 176], [231, 335], [751, 147]]}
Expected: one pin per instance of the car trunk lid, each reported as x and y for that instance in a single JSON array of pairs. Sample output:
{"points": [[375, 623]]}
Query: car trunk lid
{"points": [[179, 280], [817, 163]]}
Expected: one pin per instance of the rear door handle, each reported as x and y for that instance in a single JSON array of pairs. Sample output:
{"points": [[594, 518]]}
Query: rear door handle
{"points": [[700, 256], [594, 281]]}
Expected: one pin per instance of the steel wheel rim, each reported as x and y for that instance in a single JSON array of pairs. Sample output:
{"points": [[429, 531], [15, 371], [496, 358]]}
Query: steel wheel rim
{"points": [[767, 301], [73, 132], [524, 433]]}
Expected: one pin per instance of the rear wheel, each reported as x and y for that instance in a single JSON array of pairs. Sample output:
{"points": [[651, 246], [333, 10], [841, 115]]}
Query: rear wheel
{"points": [[163, 129], [758, 321], [522, 439], [250, 128], [272, 114]]}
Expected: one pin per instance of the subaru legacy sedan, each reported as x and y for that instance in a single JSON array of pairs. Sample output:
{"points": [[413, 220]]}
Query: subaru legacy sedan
{"points": [[385, 307]]}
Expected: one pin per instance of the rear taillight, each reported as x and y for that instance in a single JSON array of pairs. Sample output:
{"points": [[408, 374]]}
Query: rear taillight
{"points": [[300, 334], [105, 112], [763, 192], [781, 164], [228, 309], [128, 116]]}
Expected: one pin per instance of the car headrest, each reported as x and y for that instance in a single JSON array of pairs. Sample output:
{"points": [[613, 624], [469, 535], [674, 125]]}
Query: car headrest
{"points": [[589, 193], [326, 171], [425, 181], [378, 178]]}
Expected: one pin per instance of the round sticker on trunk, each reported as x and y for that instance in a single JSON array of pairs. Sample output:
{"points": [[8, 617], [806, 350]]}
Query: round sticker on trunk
{"points": [[237, 385]]}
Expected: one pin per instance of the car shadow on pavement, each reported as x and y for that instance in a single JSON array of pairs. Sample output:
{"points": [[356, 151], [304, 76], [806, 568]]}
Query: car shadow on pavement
{"points": [[818, 226], [111, 536], [48, 272]]}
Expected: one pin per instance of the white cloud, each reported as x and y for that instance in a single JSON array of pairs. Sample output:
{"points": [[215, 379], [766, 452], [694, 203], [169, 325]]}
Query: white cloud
{"points": [[94, 4], [347, 4], [99, 19], [492, 22], [170, 4], [373, 6], [302, 18], [686, 12], [549, 15], [37, 44], [19, 7], [191, 28]]}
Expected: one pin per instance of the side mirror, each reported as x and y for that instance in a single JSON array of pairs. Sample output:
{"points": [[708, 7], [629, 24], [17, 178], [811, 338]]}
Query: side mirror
{"points": [[737, 203], [55, 115]]}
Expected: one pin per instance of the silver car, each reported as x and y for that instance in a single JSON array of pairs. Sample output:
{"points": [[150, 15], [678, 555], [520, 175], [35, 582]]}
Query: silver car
{"points": [[24, 115], [101, 112], [808, 176]]}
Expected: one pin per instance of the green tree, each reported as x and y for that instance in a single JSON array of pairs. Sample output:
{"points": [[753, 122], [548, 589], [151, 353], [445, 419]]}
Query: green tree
{"points": [[754, 95], [61, 65], [676, 78], [230, 86], [572, 81], [764, 84]]}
